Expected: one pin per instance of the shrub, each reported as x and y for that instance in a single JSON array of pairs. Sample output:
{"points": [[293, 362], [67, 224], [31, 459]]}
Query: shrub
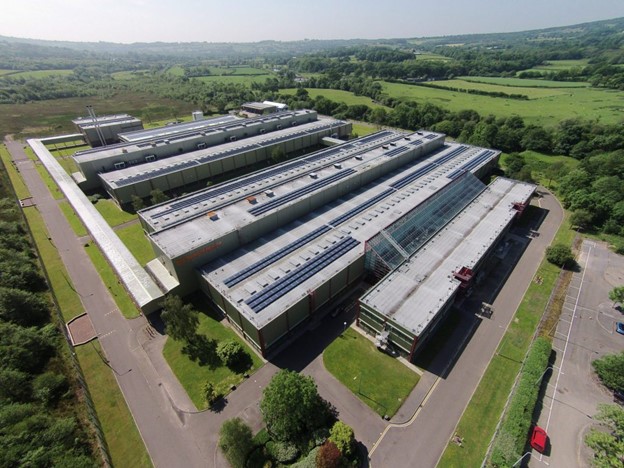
{"points": [[236, 442], [610, 369], [560, 255], [515, 429], [283, 452]]}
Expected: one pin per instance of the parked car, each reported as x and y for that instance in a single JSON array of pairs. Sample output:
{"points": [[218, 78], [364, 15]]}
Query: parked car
{"points": [[619, 327], [539, 439], [618, 396]]}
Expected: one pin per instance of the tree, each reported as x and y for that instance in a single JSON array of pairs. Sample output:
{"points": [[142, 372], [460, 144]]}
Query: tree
{"points": [[22, 307], [610, 369], [608, 446], [137, 203], [328, 456], [292, 407], [180, 319], [158, 196], [617, 295], [342, 435], [560, 255], [235, 439], [230, 352], [581, 219]]}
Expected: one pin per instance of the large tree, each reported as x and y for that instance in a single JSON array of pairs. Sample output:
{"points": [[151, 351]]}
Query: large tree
{"points": [[560, 255], [342, 435], [180, 319], [610, 369], [608, 446], [291, 406], [235, 439]]}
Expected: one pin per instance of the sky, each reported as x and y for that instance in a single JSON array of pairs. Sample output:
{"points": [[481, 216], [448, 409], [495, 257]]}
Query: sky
{"points": [[130, 21]]}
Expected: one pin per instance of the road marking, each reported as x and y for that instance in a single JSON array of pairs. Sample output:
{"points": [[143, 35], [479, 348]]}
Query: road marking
{"points": [[565, 348], [106, 334], [111, 312]]}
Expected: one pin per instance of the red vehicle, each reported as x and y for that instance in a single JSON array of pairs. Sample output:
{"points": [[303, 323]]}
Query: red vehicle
{"points": [[539, 439]]}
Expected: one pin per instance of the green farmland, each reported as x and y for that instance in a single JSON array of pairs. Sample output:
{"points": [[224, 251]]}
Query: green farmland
{"points": [[605, 106], [558, 65], [524, 83], [337, 95], [34, 73]]}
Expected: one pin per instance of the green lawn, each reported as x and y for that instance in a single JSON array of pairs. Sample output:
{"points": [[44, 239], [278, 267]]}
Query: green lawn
{"points": [[525, 83], [531, 93], [479, 420], [110, 279], [539, 163], [41, 73], [337, 95], [192, 375], [604, 105], [122, 437], [49, 181], [236, 79], [380, 381], [363, 129], [111, 212], [136, 241], [20, 188], [73, 219], [558, 65]]}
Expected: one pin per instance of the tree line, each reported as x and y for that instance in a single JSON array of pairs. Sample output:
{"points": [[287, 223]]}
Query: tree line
{"points": [[39, 419]]}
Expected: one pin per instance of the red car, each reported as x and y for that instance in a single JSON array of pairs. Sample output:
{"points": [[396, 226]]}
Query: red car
{"points": [[539, 439]]}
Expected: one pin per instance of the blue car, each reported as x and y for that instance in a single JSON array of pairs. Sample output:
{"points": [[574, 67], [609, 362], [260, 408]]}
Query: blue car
{"points": [[619, 327]]}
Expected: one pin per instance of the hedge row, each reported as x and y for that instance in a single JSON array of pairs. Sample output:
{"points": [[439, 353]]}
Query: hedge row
{"points": [[512, 439]]}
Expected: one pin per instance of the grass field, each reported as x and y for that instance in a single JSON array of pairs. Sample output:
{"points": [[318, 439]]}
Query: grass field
{"points": [[20, 188], [362, 129], [524, 83], [134, 238], [122, 437], [73, 219], [380, 381], [531, 93], [558, 65], [606, 106], [479, 420], [113, 215], [337, 95], [237, 79], [193, 376], [109, 278], [37, 73], [539, 163], [53, 117]]}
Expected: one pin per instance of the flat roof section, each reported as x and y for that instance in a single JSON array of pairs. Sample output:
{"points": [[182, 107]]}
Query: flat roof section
{"points": [[175, 129], [94, 154], [311, 244], [134, 174], [414, 293], [172, 212], [101, 119]]}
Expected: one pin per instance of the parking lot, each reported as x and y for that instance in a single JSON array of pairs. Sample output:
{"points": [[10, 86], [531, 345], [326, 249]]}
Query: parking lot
{"points": [[585, 332]]}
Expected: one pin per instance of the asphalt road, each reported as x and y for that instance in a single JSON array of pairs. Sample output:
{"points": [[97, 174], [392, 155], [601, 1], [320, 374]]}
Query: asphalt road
{"points": [[422, 442], [584, 333]]}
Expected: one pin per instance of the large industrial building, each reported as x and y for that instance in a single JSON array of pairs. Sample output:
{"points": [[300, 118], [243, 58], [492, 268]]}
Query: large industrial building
{"points": [[105, 129], [187, 169], [174, 129], [272, 248], [177, 140]]}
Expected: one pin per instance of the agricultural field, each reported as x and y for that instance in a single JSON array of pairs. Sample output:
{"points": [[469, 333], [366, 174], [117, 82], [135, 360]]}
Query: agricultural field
{"points": [[237, 79], [605, 106], [531, 93], [524, 83], [337, 95], [35, 73], [558, 65], [426, 56], [127, 74]]}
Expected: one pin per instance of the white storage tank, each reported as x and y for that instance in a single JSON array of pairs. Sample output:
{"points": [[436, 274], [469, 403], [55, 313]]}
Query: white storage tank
{"points": [[198, 115]]}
